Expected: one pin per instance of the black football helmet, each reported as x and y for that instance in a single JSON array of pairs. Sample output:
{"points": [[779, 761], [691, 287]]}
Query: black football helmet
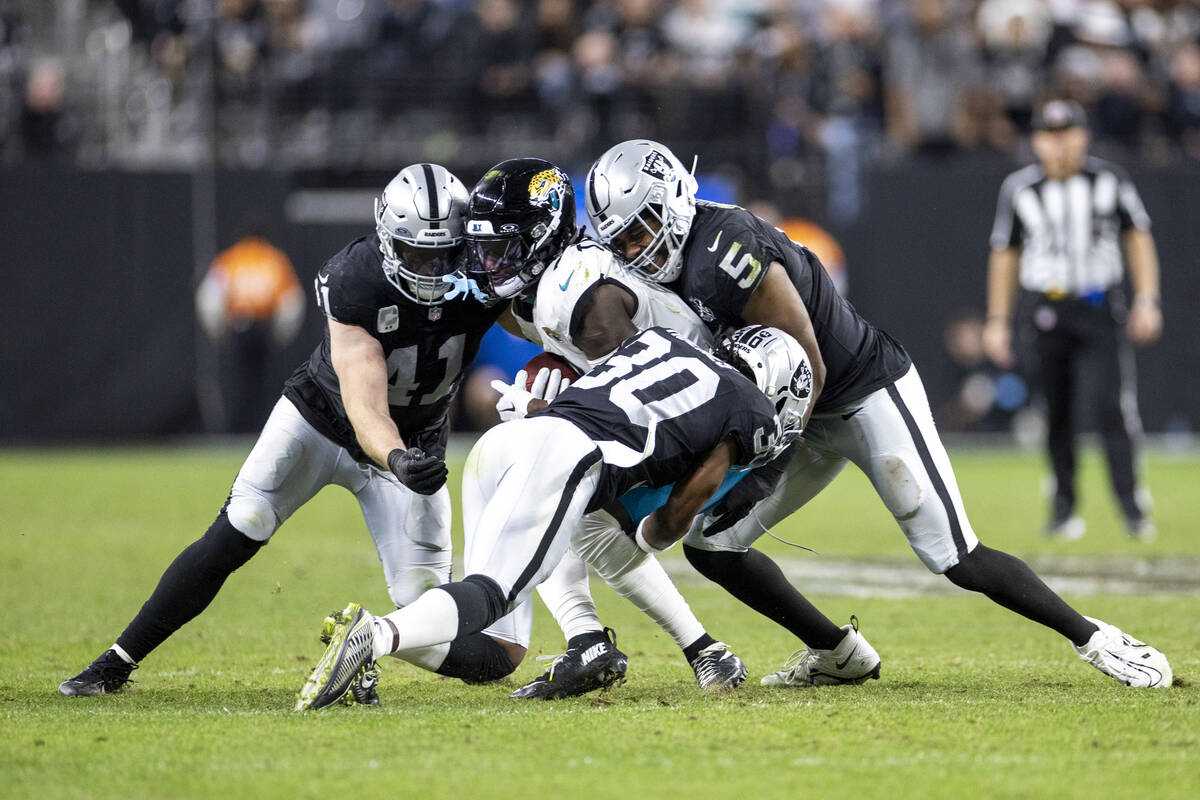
{"points": [[520, 218]]}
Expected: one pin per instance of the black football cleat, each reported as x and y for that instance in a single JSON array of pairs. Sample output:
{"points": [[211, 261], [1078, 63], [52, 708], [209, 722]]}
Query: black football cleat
{"points": [[105, 675], [592, 661]]}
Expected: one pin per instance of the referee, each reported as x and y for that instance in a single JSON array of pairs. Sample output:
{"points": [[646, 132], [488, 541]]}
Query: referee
{"points": [[1061, 227]]}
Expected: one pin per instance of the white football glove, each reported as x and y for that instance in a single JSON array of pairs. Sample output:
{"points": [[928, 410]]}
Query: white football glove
{"points": [[515, 398]]}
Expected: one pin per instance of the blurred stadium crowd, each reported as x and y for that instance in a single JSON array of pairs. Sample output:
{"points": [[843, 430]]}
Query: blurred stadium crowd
{"points": [[786, 91]]}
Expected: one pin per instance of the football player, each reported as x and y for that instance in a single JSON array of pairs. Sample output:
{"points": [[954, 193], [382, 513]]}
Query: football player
{"points": [[367, 412], [587, 302], [870, 407], [640, 418], [518, 212]]}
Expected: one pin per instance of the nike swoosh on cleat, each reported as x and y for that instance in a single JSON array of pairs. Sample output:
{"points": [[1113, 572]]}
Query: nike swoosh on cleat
{"points": [[847, 661], [713, 249]]}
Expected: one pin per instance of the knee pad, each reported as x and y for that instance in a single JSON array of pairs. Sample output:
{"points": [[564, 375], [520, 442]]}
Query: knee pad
{"points": [[897, 485], [480, 602], [477, 658], [253, 516]]}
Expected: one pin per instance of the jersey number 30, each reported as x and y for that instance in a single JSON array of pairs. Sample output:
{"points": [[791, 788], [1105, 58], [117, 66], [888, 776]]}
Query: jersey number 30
{"points": [[650, 386]]}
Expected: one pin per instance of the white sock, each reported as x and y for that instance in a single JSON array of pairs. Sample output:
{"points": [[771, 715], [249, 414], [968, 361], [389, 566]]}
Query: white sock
{"points": [[567, 596], [647, 586], [429, 658], [430, 620], [116, 648]]}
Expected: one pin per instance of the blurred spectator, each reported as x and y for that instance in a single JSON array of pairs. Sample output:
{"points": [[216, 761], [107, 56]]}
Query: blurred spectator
{"points": [[1183, 104], [48, 130], [251, 305], [985, 398], [932, 67]]}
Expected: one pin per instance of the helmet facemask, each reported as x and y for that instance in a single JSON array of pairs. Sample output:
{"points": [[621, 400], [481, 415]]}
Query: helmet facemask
{"points": [[419, 224], [521, 218], [780, 368], [639, 191]]}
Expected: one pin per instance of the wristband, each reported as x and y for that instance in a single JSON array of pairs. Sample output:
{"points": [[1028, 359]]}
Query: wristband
{"points": [[643, 545], [1145, 300]]}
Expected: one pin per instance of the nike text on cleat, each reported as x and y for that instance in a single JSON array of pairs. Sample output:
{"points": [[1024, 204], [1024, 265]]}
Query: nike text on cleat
{"points": [[349, 650], [1125, 659], [105, 675], [716, 666], [592, 661], [853, 661]]}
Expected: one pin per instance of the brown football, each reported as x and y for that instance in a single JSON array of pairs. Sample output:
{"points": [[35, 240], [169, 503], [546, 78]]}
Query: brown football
{"points": [[549, 361]]}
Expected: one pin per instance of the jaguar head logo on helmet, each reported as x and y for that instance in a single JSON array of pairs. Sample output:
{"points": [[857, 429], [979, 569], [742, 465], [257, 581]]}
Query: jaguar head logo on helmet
{"points": [[419, 220], [641, 200], [520, 218]]}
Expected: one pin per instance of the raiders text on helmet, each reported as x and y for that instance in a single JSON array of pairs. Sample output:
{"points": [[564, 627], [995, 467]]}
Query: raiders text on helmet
{"points": [[419, 220], [640, 189]]}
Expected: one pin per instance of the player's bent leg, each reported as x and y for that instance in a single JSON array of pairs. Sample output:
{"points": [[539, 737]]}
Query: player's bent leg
{"points": [[512, 545], [640, 578], [186, 588], [288, 464], [411, 533], [592, 660]]}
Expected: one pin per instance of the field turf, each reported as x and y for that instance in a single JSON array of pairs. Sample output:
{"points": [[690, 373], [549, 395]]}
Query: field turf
{"points": [[973, 701]]}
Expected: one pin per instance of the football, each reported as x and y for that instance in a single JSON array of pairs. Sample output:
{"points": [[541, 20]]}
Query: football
{"points": [[549, 361]]}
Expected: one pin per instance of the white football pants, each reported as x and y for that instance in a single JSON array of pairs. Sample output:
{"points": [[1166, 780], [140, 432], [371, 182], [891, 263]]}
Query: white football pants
{"points": [[292, 461], [889, 435]]}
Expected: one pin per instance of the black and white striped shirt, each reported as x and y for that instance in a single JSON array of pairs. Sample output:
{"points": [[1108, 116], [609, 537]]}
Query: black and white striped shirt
{"points": [[1068, 231]]}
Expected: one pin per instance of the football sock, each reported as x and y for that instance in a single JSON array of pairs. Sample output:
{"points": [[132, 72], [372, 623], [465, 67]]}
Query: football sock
{"points": [[187, 587], [431, 619], [1009, 581], [757, 581], [430, 658], [648, 587], [692, 650], [640, 579], [567, 596]]}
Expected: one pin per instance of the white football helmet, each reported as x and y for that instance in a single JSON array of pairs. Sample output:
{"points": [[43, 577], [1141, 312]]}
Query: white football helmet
{"points": [[419, 219], [776, 362], [640, 190]]}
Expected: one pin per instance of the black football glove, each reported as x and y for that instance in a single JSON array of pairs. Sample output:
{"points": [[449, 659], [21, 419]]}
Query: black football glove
{"points": [[419, 472], [738, 501]]}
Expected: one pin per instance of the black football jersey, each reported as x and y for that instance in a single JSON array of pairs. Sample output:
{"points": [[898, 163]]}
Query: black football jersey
{"points": [[426, 348], [658, 406], [725, 259]]}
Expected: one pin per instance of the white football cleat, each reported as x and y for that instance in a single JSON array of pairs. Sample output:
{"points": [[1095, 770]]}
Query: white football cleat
{"points": [[1125, 659], [852, 661]]}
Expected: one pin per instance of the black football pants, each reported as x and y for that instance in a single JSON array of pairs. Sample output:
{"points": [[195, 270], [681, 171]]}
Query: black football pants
{"points": [[1082, 361]]}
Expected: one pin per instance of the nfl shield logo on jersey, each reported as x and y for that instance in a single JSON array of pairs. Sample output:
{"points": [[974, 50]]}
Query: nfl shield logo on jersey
{"points": [[388, 319]]}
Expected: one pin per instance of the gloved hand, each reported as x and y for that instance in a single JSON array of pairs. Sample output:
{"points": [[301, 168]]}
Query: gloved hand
{"points": [[422, 473], [738, 501], [515, 398]]}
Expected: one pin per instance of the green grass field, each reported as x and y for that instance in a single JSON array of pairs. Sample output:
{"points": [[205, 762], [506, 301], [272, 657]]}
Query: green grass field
{"points": [[973, 701]]}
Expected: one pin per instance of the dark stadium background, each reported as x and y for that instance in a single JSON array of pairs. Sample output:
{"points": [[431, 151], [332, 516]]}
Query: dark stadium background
{"points": [[139, 137]]}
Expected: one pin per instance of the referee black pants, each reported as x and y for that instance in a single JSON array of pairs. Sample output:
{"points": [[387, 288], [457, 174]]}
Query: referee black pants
{"points": [[1082, 361]]}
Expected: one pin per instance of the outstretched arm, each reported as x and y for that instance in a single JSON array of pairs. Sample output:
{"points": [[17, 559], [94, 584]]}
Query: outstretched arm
{"points": [[777, 303], [668, 524]]}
